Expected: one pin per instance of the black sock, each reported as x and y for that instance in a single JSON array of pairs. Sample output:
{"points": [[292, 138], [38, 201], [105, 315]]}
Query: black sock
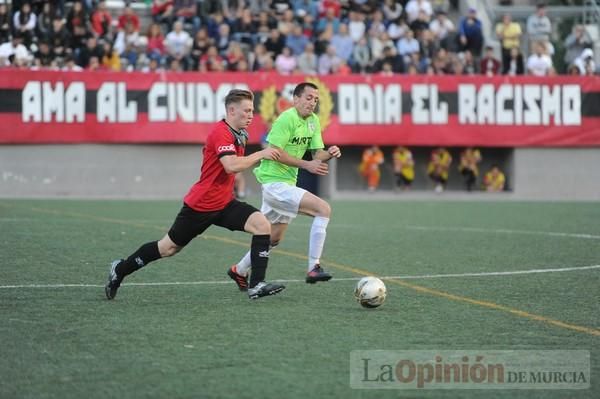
{"points": [[259, 256], [140, 258]]}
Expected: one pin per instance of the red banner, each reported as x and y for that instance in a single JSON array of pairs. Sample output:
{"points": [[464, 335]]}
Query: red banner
{"points": [[106, 107]]}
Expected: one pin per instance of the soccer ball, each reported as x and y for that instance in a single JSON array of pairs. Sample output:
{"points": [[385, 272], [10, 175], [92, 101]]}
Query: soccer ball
{"points": [[370, 292]]}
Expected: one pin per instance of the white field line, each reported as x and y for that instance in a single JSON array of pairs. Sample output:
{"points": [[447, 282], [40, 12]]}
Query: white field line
{"points": [[408, 277], [506, 231]]}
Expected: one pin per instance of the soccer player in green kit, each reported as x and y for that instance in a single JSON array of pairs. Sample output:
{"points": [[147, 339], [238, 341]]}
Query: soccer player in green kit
{"points": [[294, 132]]}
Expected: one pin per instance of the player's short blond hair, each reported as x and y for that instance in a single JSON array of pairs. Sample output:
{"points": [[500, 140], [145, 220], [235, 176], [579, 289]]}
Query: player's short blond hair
{"points": [[236, 96]]}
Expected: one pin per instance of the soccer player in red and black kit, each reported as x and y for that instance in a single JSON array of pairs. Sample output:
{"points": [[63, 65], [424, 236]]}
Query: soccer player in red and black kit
{"points": [[210, 201]]}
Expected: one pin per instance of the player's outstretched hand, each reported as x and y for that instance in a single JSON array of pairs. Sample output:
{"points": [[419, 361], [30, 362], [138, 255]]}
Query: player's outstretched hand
{"points": [[334, 151], [317, 167], [271, 153]]}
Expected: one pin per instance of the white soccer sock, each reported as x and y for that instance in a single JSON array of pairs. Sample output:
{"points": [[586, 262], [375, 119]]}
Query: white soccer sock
{"points": [[243, 266], [317, 240]]}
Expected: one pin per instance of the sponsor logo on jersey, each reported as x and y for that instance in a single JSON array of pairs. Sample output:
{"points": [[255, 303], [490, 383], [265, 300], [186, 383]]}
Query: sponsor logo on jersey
{"points": [[226, 148], [301, 140]]}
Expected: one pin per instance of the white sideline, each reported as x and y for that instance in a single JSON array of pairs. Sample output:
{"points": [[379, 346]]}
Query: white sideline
{"points": [[423, 276], [505, 231]]}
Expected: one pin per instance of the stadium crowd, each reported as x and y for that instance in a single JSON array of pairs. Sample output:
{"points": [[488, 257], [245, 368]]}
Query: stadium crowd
{"points": [[288, 36]]}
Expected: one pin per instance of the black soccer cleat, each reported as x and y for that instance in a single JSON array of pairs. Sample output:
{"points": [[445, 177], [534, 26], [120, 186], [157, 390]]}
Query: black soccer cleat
{"points": [[241, 281], [317, 274], [114, 282], [264, 289]]}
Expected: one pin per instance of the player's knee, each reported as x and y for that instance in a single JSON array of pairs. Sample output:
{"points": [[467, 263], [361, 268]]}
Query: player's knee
{"points": [[259, 224], [324, 209]]}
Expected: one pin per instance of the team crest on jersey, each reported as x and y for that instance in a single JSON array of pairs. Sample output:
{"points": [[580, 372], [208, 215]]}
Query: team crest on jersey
{"points": [[273, 103]]}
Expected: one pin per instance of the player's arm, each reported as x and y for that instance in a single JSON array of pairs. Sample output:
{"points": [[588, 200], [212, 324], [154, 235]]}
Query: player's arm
{"points": [[322, 155], [315, 166], [234, 164]]}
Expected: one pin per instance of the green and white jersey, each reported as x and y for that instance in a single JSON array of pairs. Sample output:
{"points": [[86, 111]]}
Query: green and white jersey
{"points": [[294, 135]]}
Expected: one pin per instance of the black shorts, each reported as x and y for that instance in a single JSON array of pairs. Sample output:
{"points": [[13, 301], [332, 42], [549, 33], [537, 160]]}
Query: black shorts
{"points": [[190, 223]]}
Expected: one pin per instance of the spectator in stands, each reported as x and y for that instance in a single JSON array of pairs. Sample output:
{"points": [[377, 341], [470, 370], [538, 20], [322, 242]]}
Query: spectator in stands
{"points": [[70, 65], [101, 20], [59, 38], [396, 29], [494, 180], [155, 48], [356, 26], [469, 166], [440, 5], [438, 167], [392, 10], [77, 17], [223, 38], [413, 7], [418, 64], [232, 9], [470, 67], [162, 11], [91, 49], [286, 22], [539, 27], [509, 33], [307, 61], [178, 45], [306, 7], [515, 65], [94, 64], [420, 24], [129, 16], [489, 65], [585, 62], [404, 167], [244, 29], [79, 40], [470, 33], [343, 43], [280, 6], [275, 43], [372, 159], [186, 11], [329, 61], [44, 21], [44, 56], [377, 23], [386, 70], [152, 67], [24, 23], [332, 7], [4, 23], [212, 61], [428, 46], [126, 44], [260, 57], [361, 54], [14, 52], [329, 19], [442, 27], [296, 41], [408, 45], [576, 42], [539, 63], [391, 56], [235, 55], [378, 42], [111, 61]]}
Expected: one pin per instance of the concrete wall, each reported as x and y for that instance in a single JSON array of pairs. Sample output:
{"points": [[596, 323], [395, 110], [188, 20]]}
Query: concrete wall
{"points": [[167, 171], [556, 173]]}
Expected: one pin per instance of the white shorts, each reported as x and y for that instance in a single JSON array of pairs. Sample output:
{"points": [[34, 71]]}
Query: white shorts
{"points": [[280, 202]]}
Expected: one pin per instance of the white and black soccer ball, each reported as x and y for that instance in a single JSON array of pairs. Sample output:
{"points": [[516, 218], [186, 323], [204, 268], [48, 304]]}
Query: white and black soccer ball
{"points": [[370, 292]]}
